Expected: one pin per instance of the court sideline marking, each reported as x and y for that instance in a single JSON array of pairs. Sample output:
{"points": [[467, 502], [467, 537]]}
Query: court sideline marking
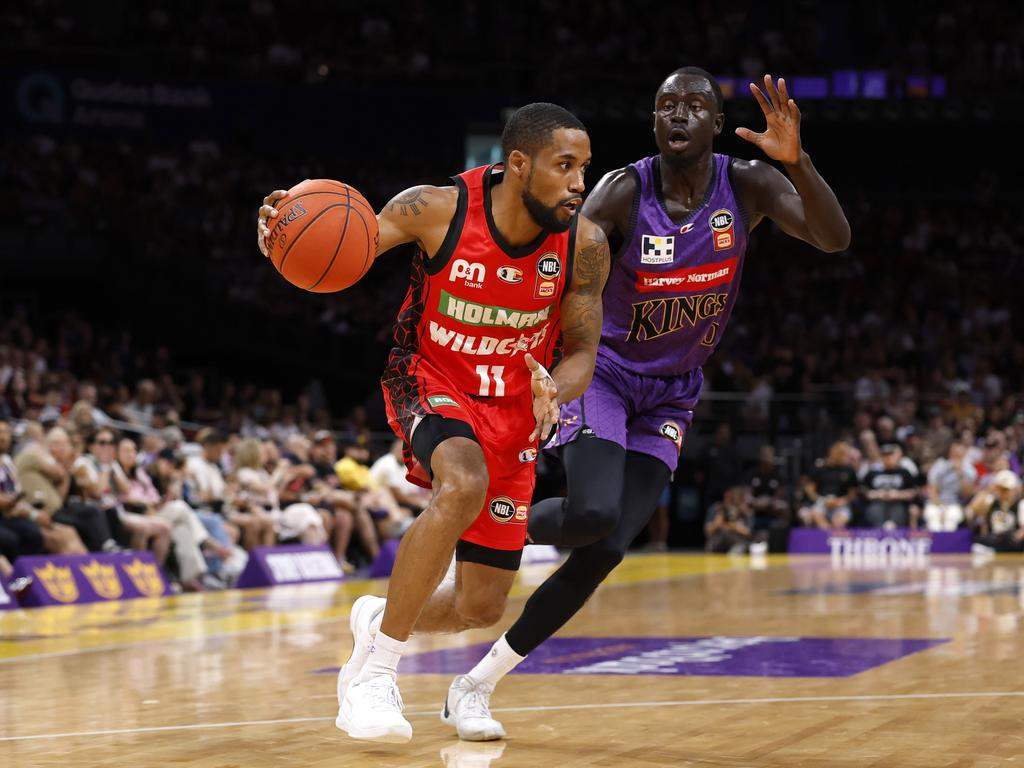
{"points": [[549, 708]]}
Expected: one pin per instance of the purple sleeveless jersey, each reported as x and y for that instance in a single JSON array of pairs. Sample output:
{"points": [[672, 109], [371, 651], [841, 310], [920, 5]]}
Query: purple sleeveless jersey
{"points": [[669, 296], [673, 286]]}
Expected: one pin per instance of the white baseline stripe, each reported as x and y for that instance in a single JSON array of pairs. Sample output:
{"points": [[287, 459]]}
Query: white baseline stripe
{"points": [[615, 705]]}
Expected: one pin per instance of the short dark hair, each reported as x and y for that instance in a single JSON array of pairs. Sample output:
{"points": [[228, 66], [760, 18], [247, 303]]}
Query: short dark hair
{"points": [[715, 87], [530, 127]]}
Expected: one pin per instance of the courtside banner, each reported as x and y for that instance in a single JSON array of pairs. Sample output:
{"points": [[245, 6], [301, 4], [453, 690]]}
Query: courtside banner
{"points": [[295, 564], [61, 580], [868, 542]]}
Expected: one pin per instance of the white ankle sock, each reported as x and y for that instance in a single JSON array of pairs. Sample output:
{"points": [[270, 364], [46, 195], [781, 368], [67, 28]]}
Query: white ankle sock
{"points": [[498, 662], [385, 653]]}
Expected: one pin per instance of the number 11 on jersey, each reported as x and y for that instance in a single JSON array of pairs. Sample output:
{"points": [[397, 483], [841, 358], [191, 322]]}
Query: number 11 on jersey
{"points": [[489, 374]]}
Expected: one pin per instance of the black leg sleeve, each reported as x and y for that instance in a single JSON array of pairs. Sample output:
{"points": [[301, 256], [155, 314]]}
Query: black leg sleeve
{"points": [[593, 471], [564, 592]]}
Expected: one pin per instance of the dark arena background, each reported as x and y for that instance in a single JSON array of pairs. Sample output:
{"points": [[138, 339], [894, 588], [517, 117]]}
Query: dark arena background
{"points": [[833, 576]]}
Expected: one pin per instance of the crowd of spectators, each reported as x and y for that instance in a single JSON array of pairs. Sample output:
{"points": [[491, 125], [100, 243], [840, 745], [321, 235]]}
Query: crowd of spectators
{"points": [[554, 43], [89, 464], [914, 325], [949, 472]]}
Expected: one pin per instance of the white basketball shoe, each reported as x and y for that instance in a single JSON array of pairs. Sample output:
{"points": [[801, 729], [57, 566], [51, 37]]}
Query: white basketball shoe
{"points": [[467, 708], [360, 621], [372, 710]]}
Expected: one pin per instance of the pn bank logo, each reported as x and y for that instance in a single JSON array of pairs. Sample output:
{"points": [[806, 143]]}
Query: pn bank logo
{"points": [[40, 98]]}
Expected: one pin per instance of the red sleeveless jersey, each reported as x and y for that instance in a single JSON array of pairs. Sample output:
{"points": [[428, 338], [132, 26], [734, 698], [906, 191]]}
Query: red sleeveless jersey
{"points": [[476, 307]]}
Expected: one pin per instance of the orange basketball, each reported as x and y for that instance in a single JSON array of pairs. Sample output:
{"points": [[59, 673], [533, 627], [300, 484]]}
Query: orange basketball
{"points": [[324, 236]]}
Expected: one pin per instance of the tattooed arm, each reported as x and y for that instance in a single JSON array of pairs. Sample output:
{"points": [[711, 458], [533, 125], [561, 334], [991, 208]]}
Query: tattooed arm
{"points": [[418, 215], [581, 312]]}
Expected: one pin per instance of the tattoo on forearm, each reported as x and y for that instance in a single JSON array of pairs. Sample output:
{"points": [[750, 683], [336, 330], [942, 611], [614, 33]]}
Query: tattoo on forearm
{"points": [[581, 315], [411, 202], [592, 263]]}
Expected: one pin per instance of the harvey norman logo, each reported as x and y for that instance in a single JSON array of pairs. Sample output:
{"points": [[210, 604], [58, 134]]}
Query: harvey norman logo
{"points": [[686, 280], [469, 313]]}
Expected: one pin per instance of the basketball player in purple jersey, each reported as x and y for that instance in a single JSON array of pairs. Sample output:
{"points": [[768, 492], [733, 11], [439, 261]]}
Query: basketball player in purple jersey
{"points": [[678, 224]]}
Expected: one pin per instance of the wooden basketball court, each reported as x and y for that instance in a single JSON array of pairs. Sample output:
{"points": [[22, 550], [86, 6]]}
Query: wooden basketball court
{"points": [[680, 660]]}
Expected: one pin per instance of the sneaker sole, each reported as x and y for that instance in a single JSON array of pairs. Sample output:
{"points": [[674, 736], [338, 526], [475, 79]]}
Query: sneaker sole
{"points": [[384, 735]]}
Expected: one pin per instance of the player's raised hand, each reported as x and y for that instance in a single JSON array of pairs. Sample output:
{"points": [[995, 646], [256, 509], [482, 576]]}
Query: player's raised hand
{"points": [[267, 211], [545, 399], [781, 138]]}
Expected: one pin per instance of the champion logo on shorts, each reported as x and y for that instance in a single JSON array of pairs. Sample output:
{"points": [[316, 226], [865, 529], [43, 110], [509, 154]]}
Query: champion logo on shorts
{"points": [[527, 455], [439, 401]]}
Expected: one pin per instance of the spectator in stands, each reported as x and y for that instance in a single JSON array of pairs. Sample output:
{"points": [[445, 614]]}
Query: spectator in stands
{"points": [[95, 473], [259, 492], [44, 469], [729, 523], [167, 474], [350, 513], [24, 528], [193, 543], [830, 490], [207, 493], [768, 493], [996, 515], [891, 492], [88, 394], [140, 409], [298, 486], [950, 482], [389, 472], [392, 520], [20, 533], [993, 457]]}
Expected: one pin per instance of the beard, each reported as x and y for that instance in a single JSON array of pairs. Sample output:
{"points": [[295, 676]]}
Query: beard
{"points": [[543, 216]]}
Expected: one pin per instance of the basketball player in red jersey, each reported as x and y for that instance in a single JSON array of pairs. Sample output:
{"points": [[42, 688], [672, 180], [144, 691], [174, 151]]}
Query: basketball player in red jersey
{"points": [[506, 267]]}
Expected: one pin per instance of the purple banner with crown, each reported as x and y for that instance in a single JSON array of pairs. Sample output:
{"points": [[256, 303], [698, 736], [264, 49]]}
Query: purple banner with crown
{"points": [[63, 580]]}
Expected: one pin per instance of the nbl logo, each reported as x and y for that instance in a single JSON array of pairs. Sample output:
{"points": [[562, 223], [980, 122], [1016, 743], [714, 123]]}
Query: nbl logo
{"points": [[671, 431], [549, 267], [502, 509], [722, 232]]}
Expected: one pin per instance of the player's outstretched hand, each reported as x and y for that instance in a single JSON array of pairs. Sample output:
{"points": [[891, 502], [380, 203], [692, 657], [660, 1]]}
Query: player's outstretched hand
{"points": [[267, 211], [781, 138], [545, 399]]}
